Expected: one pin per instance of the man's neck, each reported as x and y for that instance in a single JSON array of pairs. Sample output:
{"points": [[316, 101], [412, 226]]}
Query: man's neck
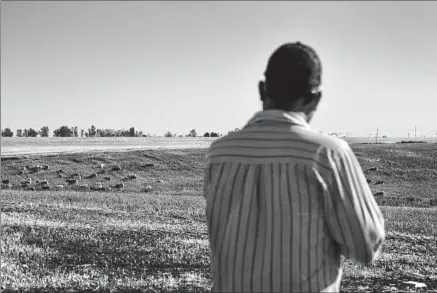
{"points": [[292, 112]]}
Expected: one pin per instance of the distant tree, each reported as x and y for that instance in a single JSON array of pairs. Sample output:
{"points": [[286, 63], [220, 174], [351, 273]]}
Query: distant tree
{"points": [[105, 132], [92, 131], [121, 132], [32, 132], [75, 131], [132, 131], [86, 134], [192, 133], [63, 131], [82, 133], [25, 132], [235, 130], [44, 131], [180, 135], [168, 134], [206, 134], [19, 132], [7, 132], [214, 134], [175, 135]]}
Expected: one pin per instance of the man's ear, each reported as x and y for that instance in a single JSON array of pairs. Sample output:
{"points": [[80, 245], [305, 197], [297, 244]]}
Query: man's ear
{"points": [[262, 90], [312, 98]]}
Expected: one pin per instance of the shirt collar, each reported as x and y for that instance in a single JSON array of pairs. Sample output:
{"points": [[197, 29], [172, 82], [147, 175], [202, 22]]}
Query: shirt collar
{"points": [[279, 116]]}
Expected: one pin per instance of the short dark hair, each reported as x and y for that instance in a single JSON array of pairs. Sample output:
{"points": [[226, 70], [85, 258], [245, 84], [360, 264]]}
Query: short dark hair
{"points": [[293, 70]]}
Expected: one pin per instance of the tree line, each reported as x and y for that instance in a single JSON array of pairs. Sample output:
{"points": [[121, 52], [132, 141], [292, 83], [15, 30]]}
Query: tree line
{"points": [[66, 131], [43, 132]]}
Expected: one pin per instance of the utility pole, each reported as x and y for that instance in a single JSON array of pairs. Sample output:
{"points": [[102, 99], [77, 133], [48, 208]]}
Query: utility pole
{"points": [[377, 133], [415, 132]]}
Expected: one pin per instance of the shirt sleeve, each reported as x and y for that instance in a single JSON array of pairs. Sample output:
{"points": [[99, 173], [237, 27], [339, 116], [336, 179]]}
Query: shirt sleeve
{"points": [[355, 220]]}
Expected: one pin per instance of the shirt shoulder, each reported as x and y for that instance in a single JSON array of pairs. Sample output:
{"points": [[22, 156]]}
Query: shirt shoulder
{"points": [[298, 140], [220, 139], [324, 141]]}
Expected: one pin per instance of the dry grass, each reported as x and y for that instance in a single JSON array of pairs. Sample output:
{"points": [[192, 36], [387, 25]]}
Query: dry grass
{"points": [[157, 242], [130, 241], [101, 241], [12, 146], [180, 170], [409, 172]]}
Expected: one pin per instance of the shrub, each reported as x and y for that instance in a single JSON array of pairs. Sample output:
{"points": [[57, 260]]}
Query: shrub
{"points": [[192, 133], [7, 132]]}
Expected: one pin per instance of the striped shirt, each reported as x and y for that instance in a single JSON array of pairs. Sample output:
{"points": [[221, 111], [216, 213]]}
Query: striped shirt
{"points": [[283, 203]]}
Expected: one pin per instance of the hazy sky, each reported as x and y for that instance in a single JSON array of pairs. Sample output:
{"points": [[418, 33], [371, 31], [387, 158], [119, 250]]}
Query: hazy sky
{"points": [[180, 65]]}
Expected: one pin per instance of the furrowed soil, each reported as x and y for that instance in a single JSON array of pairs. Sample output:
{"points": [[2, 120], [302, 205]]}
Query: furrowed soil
{"points": [[130, 240]]}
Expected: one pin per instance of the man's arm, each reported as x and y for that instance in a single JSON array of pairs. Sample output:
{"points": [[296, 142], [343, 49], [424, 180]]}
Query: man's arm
{"points": [[355, 220]]}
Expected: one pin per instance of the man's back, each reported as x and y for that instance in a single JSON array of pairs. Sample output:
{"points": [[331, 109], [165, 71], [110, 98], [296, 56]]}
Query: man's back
{"points": [[283, 202]]}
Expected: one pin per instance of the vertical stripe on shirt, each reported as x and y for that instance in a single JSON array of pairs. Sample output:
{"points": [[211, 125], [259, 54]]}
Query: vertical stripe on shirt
{"points": [[238, 253]]}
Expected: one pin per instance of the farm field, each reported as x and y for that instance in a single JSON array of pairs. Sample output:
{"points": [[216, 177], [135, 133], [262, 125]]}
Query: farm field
{"points": [[12, 146], [130, 240]]}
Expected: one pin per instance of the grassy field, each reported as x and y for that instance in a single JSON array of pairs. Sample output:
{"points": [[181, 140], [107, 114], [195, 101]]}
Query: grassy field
{"points": [[156, 241], [12, 146]]}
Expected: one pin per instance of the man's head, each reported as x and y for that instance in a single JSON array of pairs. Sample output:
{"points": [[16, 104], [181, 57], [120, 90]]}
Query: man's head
{"points": [[293, 80]]}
